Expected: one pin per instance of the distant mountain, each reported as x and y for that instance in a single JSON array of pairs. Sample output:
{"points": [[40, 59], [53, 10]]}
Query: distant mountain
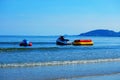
{"points": [[101, 32]]}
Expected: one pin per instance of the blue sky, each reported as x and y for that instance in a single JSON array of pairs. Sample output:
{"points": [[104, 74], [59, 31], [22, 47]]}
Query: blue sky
{"points": [[58, 17]]}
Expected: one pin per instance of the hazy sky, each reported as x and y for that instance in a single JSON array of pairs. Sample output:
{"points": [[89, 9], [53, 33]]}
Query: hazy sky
{"points": [[57, 17]]}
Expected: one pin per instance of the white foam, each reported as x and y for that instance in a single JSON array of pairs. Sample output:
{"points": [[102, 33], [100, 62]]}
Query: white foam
{"points": [[53, 63]]}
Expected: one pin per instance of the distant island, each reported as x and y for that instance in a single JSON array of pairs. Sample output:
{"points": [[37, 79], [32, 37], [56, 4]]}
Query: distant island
{"points": [[101, 32]]}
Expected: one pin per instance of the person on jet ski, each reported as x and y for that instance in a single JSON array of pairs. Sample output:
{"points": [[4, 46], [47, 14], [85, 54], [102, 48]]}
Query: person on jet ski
{"points": [[62, 41], [24, 43]]}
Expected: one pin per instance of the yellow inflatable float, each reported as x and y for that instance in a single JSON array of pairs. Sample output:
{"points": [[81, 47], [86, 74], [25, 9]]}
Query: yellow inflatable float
{"points": [[83, 42]]}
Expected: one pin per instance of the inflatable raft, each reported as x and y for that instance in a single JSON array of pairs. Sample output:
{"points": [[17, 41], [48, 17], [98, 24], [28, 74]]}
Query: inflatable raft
{"points": [[83, 42]]}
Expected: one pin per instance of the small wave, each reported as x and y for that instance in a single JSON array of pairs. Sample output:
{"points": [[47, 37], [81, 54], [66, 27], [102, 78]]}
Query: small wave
{"points": [[14, 49], [23, 49], [9, 42], [54, 63], [55, 48], [42, 48]]}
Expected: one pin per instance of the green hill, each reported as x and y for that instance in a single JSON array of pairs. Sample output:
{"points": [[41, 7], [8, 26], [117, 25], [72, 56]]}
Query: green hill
{"points": [[101, 32]]}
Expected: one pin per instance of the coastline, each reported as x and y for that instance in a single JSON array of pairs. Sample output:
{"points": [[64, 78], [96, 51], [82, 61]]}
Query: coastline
{"points": [[61, 72]]}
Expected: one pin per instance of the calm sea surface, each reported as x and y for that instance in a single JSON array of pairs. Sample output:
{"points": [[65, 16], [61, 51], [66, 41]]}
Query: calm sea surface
{"points": [[45, 52]]}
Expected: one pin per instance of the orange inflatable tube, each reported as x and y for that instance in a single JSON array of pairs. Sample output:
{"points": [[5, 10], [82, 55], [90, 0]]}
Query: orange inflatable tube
{"points": [[83, 42]]}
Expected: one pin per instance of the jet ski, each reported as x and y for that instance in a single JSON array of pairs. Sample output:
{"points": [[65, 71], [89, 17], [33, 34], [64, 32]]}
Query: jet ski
{"points": [[25, 43], [62, 41], [59, 42]]}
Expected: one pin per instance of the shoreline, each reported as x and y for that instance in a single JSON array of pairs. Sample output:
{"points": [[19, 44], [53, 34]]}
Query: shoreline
{"points": [[71, 71], [58, 63]]}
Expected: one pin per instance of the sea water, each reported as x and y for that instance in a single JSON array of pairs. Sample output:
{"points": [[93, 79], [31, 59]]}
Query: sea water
{"points": [[45, 52]]}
